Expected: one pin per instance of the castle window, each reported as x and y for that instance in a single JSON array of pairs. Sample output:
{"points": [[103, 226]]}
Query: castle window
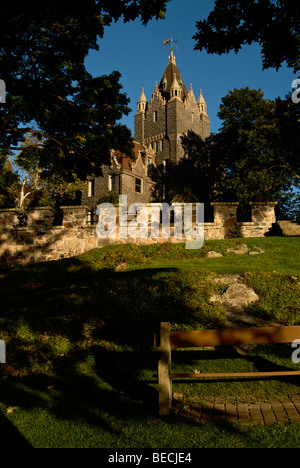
{"points": [[150, 165], [138, 185], [161, 145], [91, 188], [155, 116], [192, 117], [111, 182], [156, 146]]}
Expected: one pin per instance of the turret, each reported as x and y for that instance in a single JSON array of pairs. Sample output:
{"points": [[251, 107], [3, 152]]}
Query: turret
{"points": [[202, 104], [142, 102], [175, 90]]}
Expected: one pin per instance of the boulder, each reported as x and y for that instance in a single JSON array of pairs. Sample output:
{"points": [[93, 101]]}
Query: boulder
{"points": [[241, 249], [213, 254]]}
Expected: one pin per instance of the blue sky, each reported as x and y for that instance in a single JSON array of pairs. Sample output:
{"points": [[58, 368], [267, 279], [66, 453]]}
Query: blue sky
{"points": [[137, 51]]}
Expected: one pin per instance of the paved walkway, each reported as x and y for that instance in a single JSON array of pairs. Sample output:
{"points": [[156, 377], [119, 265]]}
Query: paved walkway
{"points": [[233, 411]]}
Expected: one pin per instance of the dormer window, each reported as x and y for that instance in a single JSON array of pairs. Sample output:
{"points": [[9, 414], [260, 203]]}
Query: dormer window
{"points": [[155, 116]]}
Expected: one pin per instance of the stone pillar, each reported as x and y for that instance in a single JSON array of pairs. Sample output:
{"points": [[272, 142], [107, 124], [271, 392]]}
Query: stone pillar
{"points": [[263, 215], [40, 218], [9, 218], [74, 216], [225, 218]]}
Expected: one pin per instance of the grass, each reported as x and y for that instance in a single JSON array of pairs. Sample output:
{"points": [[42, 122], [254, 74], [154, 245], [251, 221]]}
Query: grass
{"points": [[81, 358]]}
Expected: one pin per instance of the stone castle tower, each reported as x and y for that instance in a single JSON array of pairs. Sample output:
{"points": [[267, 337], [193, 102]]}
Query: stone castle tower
{"points": [[171, 112]]}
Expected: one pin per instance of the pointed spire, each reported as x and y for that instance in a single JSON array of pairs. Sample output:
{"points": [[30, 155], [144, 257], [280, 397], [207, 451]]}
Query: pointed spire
{"points": [[172, 58], [175, 90], [202, 103], [191, 92], [201, 99], [142, 102], [143, 97], [168, 77]]}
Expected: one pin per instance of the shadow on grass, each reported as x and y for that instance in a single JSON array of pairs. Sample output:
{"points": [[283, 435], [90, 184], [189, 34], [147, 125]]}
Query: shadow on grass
{"points": [[103, 400], [10, 436], [249, 363], [74, 303]]}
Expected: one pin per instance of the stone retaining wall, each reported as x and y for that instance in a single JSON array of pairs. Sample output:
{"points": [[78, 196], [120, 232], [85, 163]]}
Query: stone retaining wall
{"points": [[41, 241]]}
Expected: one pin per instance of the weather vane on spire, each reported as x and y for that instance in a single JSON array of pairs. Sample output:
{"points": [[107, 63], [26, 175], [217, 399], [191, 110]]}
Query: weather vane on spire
{"points": [[172, 42]]}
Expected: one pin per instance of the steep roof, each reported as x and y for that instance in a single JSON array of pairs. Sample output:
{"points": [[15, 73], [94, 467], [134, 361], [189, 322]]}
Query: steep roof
{"points": [[168, 77], [126, 161]]}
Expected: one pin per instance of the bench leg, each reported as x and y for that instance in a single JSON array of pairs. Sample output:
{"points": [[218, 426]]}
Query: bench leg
{"points": [[164, 369]]}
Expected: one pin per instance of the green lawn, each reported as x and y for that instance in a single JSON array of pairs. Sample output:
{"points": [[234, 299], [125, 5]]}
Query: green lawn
{"points": [[80, 346]]}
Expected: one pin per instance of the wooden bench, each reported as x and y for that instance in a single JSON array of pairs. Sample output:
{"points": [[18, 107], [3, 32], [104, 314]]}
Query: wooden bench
{"points": [[223, 337]]}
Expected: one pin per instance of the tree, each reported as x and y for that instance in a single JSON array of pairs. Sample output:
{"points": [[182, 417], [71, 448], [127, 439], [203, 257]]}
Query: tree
{"points": [[247, 141], [288, 144], [7, 179], [36, 187], [273, 24], [205, 157], [243, 161], [43, 46]]}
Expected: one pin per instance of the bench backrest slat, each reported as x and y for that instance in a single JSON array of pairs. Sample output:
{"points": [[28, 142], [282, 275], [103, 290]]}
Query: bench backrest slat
{"points": [[229, 336]]}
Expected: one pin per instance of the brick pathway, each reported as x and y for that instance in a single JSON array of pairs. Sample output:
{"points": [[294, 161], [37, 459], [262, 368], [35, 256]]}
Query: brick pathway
{"points": [[234, 411]]}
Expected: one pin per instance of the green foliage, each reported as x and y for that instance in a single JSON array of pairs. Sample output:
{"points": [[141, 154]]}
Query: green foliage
{"points": [[110, 197], [280, 298], [249, 140], [80, 339], [43, 48], [287, 115], [185, 197], [8, 180], [254, 157], [274, 25], [205, 156]]}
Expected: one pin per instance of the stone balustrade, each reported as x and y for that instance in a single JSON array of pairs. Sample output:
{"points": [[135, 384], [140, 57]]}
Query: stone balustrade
{"points": [[41, 241]]}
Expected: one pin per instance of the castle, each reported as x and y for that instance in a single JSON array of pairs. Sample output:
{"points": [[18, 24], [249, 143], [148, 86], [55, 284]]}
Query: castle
{"points": [[158, 127]]}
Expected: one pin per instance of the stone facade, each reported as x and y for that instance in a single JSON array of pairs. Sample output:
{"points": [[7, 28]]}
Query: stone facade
{"points": [[126, 175], [40, 241], [159, 125], [171, 113]]}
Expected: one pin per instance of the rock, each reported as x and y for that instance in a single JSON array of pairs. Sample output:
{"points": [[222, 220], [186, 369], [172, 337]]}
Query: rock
{"points": [[121, 267], [228, 279], [213, 254], [237, 295], [241, 249], [8, 371]]}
